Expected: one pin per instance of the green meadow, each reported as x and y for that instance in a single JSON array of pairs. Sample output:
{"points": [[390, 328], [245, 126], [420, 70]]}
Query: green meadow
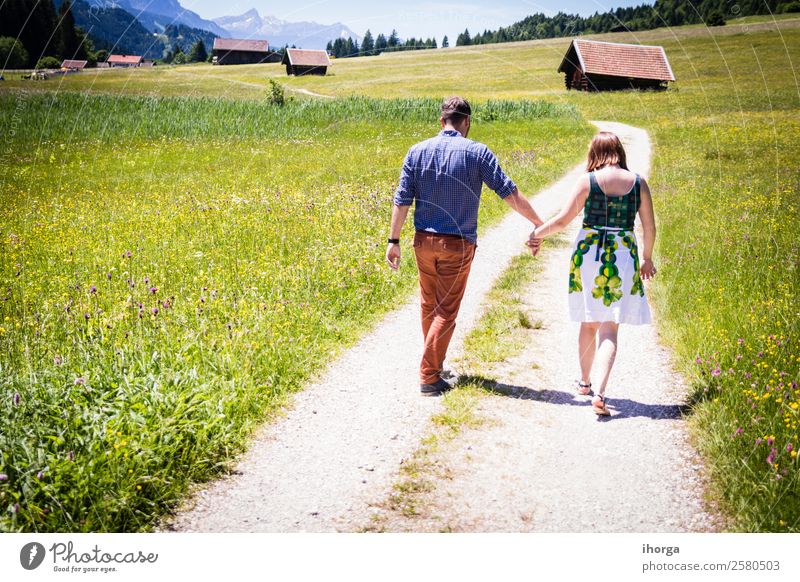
{"points": [[179, 255]]}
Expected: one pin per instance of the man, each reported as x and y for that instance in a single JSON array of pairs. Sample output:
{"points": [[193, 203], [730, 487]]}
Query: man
{"points": [[443, 176]]}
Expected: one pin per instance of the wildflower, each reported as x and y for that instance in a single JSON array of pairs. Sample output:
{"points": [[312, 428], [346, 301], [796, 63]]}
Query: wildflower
{"points": [[153, 290], [40, 475], [80, 380], [57, 360], [789, 448], [127, 254], [771, 456], [155, 310], [739, 431], [716, 372], [740, 340], [71, 455], [146, 280], [16, 398], [15, 508], [108, 276], [759, 441], [770, 440], [3, 477], [86, 316], [93, 290]]}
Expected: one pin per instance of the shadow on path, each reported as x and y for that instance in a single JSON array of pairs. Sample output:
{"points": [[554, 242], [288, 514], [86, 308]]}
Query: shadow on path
{"points": [[620, 407]]}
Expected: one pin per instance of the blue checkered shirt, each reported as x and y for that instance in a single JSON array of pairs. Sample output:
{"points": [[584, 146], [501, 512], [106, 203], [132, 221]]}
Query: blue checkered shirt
{"points": [[444, 175]]}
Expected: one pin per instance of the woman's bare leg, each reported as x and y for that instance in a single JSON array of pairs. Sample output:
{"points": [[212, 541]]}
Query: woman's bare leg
{"points": [[606, 353], [587, 346]]}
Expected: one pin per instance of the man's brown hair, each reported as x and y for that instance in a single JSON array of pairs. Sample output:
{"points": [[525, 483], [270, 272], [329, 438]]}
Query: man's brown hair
{"points": [[455, 109]]}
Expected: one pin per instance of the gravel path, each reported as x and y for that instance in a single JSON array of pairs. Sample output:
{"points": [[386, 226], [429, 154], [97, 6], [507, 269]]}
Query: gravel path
{"points": [[339, 446], [544, 461]]}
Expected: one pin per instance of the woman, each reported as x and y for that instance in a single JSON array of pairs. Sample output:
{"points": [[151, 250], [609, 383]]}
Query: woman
{"points": [[605, 277]]}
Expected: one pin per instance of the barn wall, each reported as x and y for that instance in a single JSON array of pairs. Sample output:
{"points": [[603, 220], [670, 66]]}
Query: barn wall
{"points": [[304, 70], [245, 57]]}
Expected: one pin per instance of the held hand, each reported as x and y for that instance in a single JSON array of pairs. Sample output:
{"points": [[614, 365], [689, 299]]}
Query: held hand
{"points": [[393, 256], [534, 244], [647, 270]]}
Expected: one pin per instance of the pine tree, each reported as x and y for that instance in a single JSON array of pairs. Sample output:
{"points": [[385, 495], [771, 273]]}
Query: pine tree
{"points": [[68, 44], [367, 44], [198, 54], [445, 42], [464, 38], [380, 44], [394, 40]]}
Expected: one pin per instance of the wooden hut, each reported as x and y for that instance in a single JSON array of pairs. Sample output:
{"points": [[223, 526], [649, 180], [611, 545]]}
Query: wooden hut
{"points": [[234, 51], [124, 60], [306, 62], [592, 65], [73, 65]]}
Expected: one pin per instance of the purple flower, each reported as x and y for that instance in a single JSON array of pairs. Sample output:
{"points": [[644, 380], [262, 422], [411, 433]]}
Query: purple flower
{"points": [[57, 360], [71, 455], [127, 254], [155, 310], [789, 448], [716, 372], [739, 431], [153, 290], [698, 360], [3, 477], [16, 398], [15, 508], [740, 340], [759, 441], [146, 280], [93, 290], [40, 475], [747, 375], [80, 380], [108, 276], [86, 316], [738, 357], [770, 440], [771, 456]]}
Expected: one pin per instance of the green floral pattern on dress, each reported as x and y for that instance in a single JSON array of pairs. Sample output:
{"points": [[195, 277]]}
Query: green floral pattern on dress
{"points": [[575, 285], [630, 242], [608, 284]]}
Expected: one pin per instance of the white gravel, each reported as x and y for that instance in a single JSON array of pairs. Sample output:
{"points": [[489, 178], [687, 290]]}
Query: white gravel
{"points": [[338, 448]]}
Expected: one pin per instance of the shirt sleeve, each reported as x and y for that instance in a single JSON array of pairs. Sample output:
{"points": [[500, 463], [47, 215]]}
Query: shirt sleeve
{"points": [[406, 190], [493, 176]]}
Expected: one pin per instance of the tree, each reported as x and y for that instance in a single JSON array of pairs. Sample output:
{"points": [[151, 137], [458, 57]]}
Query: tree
{"points": [[380, 44], [198, 54], [367, 44], [464, 38], [12, 54], [68, 42], [394, 40], [48, 63], [445, 42], [715, 18]]}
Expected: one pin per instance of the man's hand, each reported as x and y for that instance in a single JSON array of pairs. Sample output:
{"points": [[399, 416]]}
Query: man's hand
{"points": [[534, 244], [393, 255]]}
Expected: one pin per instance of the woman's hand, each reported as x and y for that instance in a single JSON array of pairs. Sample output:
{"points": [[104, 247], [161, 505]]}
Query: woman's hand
{"points": [[534, 244], [647, 270]]}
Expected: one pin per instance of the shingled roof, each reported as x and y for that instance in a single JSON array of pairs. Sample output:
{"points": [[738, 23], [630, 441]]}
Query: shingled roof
{"points": [[306, 58], [73, 64], [236, 44], [124, 59], [619, 60]]}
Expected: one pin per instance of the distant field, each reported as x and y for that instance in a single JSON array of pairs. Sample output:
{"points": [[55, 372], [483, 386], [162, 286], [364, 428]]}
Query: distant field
{"points": [[725, 180]]}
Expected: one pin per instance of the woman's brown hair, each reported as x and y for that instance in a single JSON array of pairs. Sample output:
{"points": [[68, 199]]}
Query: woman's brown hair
{"points": [[605, 150]]}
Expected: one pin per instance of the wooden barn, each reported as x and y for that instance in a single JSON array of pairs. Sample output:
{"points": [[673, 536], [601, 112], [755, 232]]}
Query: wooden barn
{"points": [[306, 62], [234, 51], [73, 65], [124, 60], [592, 65]]}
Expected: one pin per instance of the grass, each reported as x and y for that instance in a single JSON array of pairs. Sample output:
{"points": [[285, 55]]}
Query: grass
{"points": [[172, 268], [724, 177]]}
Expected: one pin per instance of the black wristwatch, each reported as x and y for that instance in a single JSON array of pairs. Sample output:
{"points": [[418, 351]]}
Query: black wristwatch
{"points": [[394, 241]]}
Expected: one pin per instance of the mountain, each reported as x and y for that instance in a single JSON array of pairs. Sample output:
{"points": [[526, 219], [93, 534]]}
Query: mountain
{"points": [[281, 32], [158, 14], [117, 30]]}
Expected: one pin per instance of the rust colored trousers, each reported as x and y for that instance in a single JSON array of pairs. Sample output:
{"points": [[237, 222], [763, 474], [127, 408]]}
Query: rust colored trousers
{"points": [[444, 262]]}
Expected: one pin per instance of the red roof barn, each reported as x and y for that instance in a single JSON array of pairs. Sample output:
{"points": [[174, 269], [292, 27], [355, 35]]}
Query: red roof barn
{"points": [[73, 65], [235, 51], [124, 61], [593, 65], [306, 62]]}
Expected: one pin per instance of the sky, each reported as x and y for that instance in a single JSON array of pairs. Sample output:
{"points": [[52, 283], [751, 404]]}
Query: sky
{"points": [[417, 18]]}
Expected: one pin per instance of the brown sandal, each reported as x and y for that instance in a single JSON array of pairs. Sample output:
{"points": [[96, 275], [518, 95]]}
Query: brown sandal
{"points": [[599, 406], [584, 389]]}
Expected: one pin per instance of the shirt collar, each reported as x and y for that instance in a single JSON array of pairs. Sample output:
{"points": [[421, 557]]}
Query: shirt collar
{"points": [[450, 132]]}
